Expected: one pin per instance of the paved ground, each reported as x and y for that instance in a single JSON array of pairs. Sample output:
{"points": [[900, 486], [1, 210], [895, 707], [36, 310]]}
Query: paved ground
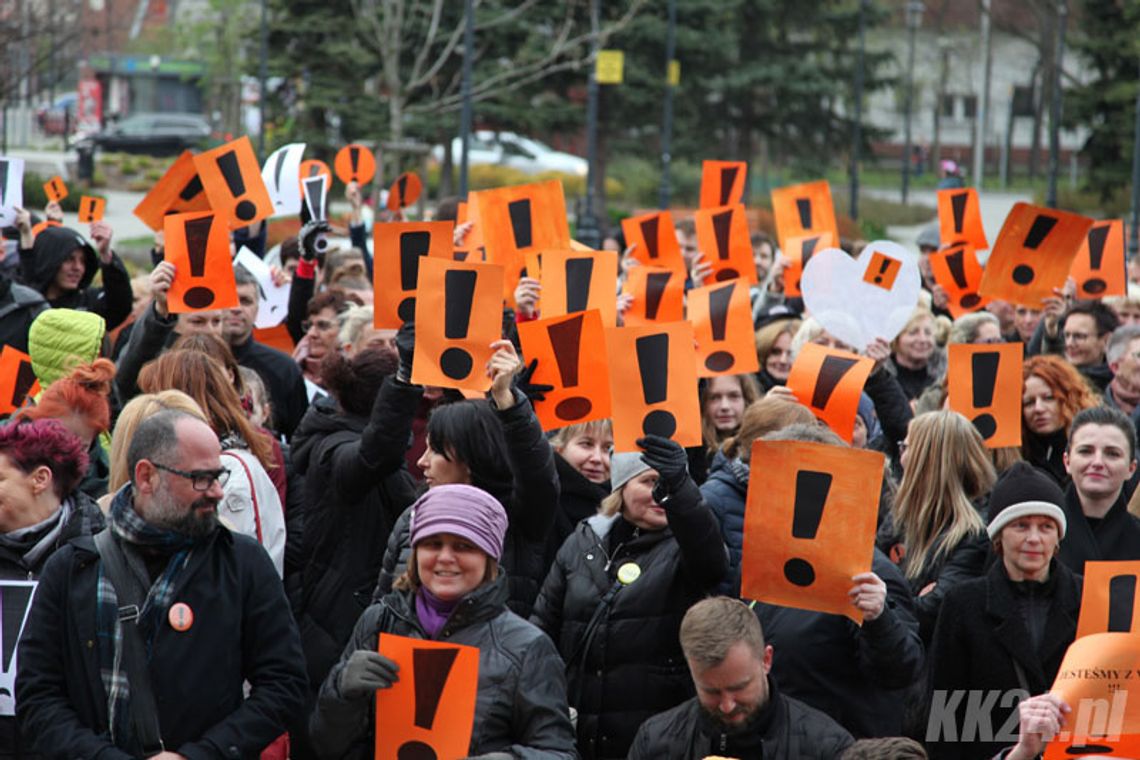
{"points": [[995, 206]]}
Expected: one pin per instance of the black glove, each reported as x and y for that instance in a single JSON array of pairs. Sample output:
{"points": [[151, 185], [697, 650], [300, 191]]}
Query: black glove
{"points": [[312, 239], [670, 461], [406, 348], [535, 392], [365, 672]]}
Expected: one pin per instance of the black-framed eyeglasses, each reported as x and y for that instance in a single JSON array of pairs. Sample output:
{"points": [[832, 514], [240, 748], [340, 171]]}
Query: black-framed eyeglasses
{"points": [[201, 480], [320, 324]]}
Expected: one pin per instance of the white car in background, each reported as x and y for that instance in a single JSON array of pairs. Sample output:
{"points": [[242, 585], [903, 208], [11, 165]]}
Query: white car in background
{"points": [[513, 150]]}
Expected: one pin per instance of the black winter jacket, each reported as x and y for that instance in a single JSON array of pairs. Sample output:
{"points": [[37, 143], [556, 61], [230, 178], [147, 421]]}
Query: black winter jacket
{"points": [[790, 730], [623, 657], [1115, 537], [520, 705], [726, 492], [19, 306], [40, 263], [578, 499], [962, 563]]}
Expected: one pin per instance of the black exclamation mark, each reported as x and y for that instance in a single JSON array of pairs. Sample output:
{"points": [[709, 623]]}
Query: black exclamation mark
{"points": [[277, 169], [15, 601], [3, 179], [91, 203], [431, 668], [722, 225], [803, 205], [25, 379], [402, 185], [1097, 238], [653, 367], [519, 212], [984, 369], [193, 187], [727, 180], [197, 242], [1023, 274], [228, 164], [354, 159], [719, 361], [412, 246], [649, 229], [1121, 600], [956, 263], [654, 292], [830, 373], [578, 275], [958, 207], [459, 294], [315, 196], [812, 488], [566, 340]]}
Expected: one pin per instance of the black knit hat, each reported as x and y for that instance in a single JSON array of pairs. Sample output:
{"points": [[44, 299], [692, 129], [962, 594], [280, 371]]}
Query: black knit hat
{"points": [[1025, 490]]}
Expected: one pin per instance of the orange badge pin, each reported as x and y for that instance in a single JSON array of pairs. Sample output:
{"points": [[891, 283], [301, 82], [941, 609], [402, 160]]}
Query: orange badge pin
{"points": [[181, 617]]}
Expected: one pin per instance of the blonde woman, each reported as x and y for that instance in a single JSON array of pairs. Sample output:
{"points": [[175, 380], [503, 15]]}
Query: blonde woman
{"points": [[916, 357], [945, 470], [774, 350]]}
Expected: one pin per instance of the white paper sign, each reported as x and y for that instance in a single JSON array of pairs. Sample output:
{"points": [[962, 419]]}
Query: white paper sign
{"points": [[11, 189], [282, 172], [15, 603], [272, 300]]}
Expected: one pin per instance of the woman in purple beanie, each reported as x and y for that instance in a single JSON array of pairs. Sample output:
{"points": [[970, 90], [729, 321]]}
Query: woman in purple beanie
{"points": [[453, 590]]}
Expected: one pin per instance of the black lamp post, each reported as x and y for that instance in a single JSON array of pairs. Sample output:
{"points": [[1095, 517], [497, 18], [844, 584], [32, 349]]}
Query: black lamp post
{"points": [[914, 9]]}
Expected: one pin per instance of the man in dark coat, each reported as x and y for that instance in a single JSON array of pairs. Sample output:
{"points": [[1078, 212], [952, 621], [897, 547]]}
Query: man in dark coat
{"points": [[214, 619], [738, 711]]}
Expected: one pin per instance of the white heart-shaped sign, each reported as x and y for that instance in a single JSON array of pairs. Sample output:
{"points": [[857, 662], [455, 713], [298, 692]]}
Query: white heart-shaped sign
{"points": [[858, 300]]}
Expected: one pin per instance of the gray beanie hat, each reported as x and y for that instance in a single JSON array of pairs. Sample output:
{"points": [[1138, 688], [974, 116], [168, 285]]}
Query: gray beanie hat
{"points": [[624, 467]]}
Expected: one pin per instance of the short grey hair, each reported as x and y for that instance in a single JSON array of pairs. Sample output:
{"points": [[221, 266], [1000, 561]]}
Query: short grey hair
{"points": [[243, 276], [1121, 339], [965, 328]]}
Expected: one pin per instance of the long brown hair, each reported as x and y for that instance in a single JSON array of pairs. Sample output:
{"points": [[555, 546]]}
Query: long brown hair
{"points": [[749, 389]]}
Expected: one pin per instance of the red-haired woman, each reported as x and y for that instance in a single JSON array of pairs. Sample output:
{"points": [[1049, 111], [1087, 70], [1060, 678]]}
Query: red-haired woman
{"points": [[1051, 395]]}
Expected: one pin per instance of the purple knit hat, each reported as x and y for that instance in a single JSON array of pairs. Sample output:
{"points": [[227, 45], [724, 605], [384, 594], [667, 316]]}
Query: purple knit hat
{"points": [[464, 511]]}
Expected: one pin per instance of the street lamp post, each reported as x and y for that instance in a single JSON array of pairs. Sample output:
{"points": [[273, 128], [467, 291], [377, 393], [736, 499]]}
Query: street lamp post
{"points": [[1055, 107], [262, 76], [914, 9], [667, 106], [465, 116], [857, 122], [588, 232], [1134, 232]]}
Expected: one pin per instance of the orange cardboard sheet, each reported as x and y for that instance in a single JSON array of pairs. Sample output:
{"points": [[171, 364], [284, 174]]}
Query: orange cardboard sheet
{"points": [[1108, 598], [828, 382], [398, 248], [231, 175], [1033, 254], [654, 241], [574, 281], [275, 337], [658, 296], [37, 229], [198, 245], [404, 191], [722, 236], [653, 384], [91, 208], [722, 183], [809, 524], [178, 191], [1098, 681], [55, 189], [802, 210], [311, 168], [571, 356], [722, 323], [985, 387], [355, 163], [798, 252], [459, 314], [1099, 267], [430, 710], [960, 218], [473, 240], [957, 270], [17, 379]]}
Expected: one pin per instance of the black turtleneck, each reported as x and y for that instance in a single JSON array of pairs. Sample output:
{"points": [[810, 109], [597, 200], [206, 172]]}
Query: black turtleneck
{"points": [[1033, 601], [747, 741]]}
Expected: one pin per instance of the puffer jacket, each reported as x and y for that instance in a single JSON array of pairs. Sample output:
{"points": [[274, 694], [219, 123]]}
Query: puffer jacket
{"points": [[52, 247], [520, 705], [59, 339], [619, 640], [726, 493]]}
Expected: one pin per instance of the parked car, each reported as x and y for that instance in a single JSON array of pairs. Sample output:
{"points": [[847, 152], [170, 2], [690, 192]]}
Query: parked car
{"points": [[59, 115], [155, 134], [513, 150]]}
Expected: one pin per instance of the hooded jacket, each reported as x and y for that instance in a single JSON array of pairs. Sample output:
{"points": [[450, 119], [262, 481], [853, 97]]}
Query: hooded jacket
{"points": [[59, 339], [52, 247], [19, 306]]}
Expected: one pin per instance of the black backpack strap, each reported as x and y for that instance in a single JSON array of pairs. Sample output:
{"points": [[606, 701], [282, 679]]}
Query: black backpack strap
{"points": [[132, 596]]}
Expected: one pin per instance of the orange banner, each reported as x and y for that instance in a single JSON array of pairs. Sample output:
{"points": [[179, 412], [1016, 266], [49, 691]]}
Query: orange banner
{"points": [[17, 379], [404, 191], [799, 251], [722, 236], [1108, 598], [829, 382], [574, 281], [178, 191], [809, 525], [91, 208], [567, 350], [1099, 266], [398, 248], [722, 183], [722, 323], [355, 163], [658, 296], [984, 384], [231, 176], [653, 240], [198, 245], [960, 219], [804, 210], [957, 270]]}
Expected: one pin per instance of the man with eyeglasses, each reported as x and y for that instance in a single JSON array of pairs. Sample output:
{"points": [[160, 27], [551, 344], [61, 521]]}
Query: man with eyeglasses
{"points": [[140, 639], [1081, 334]]}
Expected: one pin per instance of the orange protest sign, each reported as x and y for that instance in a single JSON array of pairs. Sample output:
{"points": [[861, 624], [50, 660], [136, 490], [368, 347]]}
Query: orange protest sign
{"points": [[799, 251], [1108, 598], [985, 387], [1033, 254], [91, 208], [458, 316], [829, 382], [658, 296], [653, 384], [574, 281], [232, 178], [566, 348], [722, 236], [1099, 266], [311, 168], [722, 323], [55, 189], [355, 163], [404, 191], [275, 337], [17, 379], [178, 191], [430, 709], [809, 524], [398, 248], [957, 270], [804, 210], [37, 229], [722, 183], [960, 218], [653, 241], [198, 245]]}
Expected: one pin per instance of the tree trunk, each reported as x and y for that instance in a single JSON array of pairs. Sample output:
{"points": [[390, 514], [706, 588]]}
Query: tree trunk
{"points": [[940, 93]]}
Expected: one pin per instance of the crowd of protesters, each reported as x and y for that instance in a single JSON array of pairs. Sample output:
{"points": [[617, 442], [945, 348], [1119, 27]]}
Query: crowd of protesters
{"points": [[219, 532]]}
